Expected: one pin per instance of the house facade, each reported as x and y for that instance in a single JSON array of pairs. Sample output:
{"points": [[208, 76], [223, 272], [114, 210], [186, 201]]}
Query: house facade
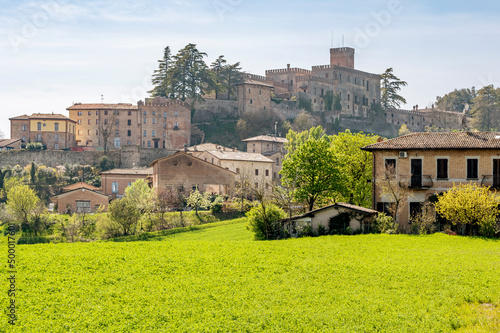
{"points": [[80, 200], [418, 166], [270, 146], [183, 172], [11, 144], [115, 181], [53, 131]]}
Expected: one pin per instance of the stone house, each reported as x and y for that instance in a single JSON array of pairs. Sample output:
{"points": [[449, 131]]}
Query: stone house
{"points": [[426, 164], [80, 200], [183, 172], [270, 146], [157, 123], [254, 96], [355, 217], [114, 182], [11, 144], [54, 131], [252, 167]]}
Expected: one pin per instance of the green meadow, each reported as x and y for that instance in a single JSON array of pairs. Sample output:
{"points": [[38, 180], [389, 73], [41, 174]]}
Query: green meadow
{"points": [[219, 280]]}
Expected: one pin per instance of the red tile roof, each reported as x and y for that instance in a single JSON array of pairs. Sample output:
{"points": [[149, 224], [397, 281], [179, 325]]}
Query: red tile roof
{"points": [[80, 185], [50, 116], [23, 117], [267, 138], [103, 106], [446, 140]]}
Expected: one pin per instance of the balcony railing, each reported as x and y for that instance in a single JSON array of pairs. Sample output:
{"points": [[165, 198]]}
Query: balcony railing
{"points": [[417, 182], [491, 180]]}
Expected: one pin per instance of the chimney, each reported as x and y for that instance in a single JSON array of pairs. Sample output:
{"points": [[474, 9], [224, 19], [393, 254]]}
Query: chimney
{"points": [[288, 66], [416, 107], [432, 106]]}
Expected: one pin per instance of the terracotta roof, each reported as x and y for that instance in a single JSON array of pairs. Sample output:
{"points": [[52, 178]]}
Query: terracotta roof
{"points": [[256, 83], [355, 208], [145, 172], [52, 198], [42, 116], [80, 185], [186, 154], [103, 106], [266, 138], [8, 142], [209, 146], [23, 117], [239, 156], [445, 140]]}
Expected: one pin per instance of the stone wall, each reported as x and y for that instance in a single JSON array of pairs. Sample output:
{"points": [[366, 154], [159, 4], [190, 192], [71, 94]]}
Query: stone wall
{"points": [[211, 109]]}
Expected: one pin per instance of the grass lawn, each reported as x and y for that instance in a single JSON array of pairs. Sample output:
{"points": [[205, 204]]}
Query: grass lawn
{"points": [[204, 283]]}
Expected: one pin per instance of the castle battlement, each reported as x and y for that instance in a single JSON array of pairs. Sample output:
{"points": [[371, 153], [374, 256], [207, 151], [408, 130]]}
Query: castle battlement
{"points": [[313, 78], [287, 70], [160, 101], [320, 67]]}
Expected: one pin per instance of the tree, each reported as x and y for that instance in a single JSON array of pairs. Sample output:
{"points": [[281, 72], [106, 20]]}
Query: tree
{"points": [[329, 100], [233, 76], [459, 100], [470, 204], [485, 112], [391, 85], [313, 169], [355, 166], [395, 188], [33, 173], [107, 127], [337, 106], [105, 163], [403, 130], [218, 69], [296, 139], [197, 200], [263, 221], [125, 215], [22, 202], [165, 201], [303, 122], [162, 79]]}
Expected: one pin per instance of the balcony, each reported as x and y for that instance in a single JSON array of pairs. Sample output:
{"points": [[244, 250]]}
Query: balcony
{"points": [[492, 181], [417, 182]]}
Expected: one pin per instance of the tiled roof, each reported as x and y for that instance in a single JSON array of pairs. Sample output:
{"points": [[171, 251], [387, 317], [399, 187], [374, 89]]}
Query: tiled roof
{"points": [[23, 117], [42, 116], [145, 172], [446, 140], [355, 208], [209, 146], [103, 106], [239, 156], [8, 142], [267, 138], [256, 83], [80, 185]]}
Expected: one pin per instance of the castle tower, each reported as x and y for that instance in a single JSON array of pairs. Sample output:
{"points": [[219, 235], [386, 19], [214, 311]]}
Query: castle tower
{"points": [[342, 56]]}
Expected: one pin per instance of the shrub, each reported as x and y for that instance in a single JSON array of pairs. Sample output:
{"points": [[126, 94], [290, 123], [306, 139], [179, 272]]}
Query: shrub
{"points": [[264, 221], [33, 240], [383, 223], [322, 230]]}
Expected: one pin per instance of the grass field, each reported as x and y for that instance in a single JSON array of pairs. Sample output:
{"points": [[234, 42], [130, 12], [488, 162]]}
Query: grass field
{"points": [[194, 282]]}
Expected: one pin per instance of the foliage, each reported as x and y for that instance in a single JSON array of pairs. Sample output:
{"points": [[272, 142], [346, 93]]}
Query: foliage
{"points": [[227, 286], [457, 100], [303, 122], [260, 122], [391, 85], [384, 223], [485, 112], [216, 204], [328, 99], [198, 201], [22, 202], [226, 77], [470, 204], [338, 225], [423, 223], [124, 215], [34, 146], [105, 163], [296, 139], [403, 130], [305, 103], [314, 182], [263, 221]]}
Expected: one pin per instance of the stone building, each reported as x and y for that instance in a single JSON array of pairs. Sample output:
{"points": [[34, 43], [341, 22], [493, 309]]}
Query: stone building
{"points": [[418, 119], [11, 144], [430, 163], [182, 173], [80, 200], [154, 123], [54, 131], [254, 96], [114, 182], [270, 146]]}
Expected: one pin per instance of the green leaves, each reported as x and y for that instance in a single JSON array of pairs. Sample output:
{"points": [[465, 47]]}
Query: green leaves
{"points": [[391, 85]]}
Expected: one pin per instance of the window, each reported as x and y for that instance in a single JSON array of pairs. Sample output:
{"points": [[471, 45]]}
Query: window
{"points": [[96, 132], [267, 173], [79, 132], [89, 121], [176, 113], [79, 122], [165, 114], [144, 133], [249, 91], [97, 121], [144, 113], [129, 133], [90, 113], [472, 168], [56, 137], [277, 161], [83, 206], [260, 92], [117, 133], [25, 128], [176, 124], [117, 112], [390, 166], [129, 112], [154, 133], [39, 126], [38, 137], [129, 142], [79, 113], [88, 132], [24, 138], [154, 113], [194, 187], [144, 121], [117, 143], [129, 122], [256, 172], [56, 127], [117, 122], [348, 97], [105, 121], [105, 112], [415, 209], [97, 113], [154, 121], [114, 187], [442, 168], [149, 144], [251, 101], [56, 146]]}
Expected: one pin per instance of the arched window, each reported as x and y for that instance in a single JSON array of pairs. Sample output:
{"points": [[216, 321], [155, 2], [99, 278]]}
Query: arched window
{"points": [[114, 187]]}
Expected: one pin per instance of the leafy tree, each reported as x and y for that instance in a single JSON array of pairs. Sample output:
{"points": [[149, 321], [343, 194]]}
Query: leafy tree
{"points": [[305, 103], [403, 130], [22, 202], [217, 68], [34, 146], [313, 169], [355, 166], [485, 112], [124, 215], [105, 163], [456, 100], [391, 85], [303, 122], [263, 221], [337, 106], [296, 139], [470, 204], [197, 200]]}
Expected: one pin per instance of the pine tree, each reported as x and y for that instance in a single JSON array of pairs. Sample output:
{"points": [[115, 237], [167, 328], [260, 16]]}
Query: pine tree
{"points": [[162, 76], [391, 85]]}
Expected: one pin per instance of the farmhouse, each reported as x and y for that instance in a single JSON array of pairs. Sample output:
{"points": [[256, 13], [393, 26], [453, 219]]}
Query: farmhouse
{"points": [[337, 216], [425, 164], [114, 182], [80, 200]]}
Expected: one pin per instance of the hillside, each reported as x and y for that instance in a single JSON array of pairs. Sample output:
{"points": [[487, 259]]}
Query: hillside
{"points": [[366, 283]]}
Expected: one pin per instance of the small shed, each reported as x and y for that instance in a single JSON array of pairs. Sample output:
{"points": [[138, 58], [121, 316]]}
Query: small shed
{"points": [[337, 216]]}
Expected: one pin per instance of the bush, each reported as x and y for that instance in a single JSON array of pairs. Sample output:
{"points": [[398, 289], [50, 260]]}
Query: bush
{"points": [[264, 222], [322, 230], [384, 223], [33, 240]]}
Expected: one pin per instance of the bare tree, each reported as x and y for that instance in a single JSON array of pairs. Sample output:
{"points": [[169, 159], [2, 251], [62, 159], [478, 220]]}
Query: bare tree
{"points": [[107, 126], [396, 190]]}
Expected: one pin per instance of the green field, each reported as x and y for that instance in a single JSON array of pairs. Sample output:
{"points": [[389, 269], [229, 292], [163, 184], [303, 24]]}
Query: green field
{"points": [[200, 281]]}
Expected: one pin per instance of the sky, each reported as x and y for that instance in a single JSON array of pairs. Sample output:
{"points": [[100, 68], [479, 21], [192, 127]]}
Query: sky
{"points": [[57, 52]]}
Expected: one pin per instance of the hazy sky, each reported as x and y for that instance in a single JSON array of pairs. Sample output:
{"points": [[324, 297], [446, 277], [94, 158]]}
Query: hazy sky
{"points": [[57, 52]]}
